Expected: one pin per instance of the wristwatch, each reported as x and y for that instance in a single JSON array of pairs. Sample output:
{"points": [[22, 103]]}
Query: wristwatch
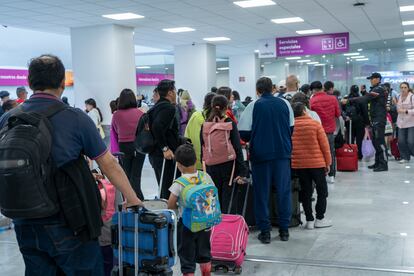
{"points": [[164, 149]]}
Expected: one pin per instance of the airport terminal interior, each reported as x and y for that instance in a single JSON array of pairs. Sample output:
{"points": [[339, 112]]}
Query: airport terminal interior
{"points": [[109, 45]]}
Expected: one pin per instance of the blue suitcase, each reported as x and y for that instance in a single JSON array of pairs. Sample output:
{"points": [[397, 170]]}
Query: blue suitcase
{"points": [[149, 242]]}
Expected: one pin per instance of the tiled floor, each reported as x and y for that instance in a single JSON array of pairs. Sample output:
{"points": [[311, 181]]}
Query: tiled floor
{"points": [[373, 230]]}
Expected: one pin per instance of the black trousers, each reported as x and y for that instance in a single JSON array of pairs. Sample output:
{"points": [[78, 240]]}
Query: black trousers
{"points": [[306, 178], [193, 248], [220, 174], [357, 135], [168, 178], [132, 164], [378, 140]]}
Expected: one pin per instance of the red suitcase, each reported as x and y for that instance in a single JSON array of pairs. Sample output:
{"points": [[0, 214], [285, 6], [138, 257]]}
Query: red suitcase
{"points": [[347, 155], [395, 151]]}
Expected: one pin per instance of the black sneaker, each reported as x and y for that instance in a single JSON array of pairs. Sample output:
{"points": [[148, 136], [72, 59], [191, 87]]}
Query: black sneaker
{"points": [[372, 166], [264, 237], [284, 235], [381, 169]]}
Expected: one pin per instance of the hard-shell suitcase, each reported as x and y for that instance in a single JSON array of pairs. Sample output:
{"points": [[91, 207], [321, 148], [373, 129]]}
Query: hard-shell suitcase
{"points": [[149, 242], [229, 240], [347, 155]]}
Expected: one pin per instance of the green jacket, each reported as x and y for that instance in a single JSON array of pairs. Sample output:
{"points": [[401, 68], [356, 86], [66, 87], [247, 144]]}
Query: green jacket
{"points": [[192, 132]]}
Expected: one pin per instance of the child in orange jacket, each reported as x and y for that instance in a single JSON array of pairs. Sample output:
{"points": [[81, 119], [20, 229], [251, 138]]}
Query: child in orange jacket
{"points": [[311, 158]]}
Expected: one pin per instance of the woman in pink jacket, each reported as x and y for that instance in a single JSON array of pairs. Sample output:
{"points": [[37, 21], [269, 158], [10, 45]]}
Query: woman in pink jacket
{"points": [[405, 123]]}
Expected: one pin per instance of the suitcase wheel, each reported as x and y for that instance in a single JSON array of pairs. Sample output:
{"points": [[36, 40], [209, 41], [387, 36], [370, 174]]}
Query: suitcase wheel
{"points": [[238, 270], [221, 267]]}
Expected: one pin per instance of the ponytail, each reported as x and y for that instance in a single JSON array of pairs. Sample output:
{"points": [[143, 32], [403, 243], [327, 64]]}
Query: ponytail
{"points": [[218, 107]]}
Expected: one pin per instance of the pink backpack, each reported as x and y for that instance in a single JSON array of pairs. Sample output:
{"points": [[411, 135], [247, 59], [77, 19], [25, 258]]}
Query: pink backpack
{"points": [[217, 148], [107, 191]]}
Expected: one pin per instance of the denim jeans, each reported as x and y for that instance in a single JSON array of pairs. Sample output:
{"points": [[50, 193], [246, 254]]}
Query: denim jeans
{"points": [[49, 249], [331, 140], [406, 142]]}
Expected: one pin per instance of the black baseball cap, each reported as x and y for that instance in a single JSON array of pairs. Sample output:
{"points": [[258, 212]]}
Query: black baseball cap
{"points": [[316, 85], [4, 94], [375, 76]]}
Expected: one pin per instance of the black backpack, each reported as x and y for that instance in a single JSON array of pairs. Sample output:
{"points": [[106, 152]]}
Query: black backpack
{"points": [[144, 140], [27, 190]]}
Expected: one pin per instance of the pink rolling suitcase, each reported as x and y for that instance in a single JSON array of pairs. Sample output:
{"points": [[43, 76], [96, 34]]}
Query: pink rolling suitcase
{"points": [[229, 241]]}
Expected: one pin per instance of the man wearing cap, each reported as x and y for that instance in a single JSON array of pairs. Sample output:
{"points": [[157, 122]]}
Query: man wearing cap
{"points": [[378, 112], [4, 97], [21, 94]]}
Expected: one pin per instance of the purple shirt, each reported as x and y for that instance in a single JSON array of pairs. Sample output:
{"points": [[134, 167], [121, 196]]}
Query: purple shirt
{"points": [[124, 124]]}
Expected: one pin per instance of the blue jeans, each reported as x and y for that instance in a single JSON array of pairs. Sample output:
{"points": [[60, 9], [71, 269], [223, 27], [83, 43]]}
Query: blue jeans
{"points": [[50, 248], [406, 142], [266, 174]]}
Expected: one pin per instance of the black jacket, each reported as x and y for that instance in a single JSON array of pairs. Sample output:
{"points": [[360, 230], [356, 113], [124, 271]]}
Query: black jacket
{"points": [[79, 199], [378, 103], [164, 126]]}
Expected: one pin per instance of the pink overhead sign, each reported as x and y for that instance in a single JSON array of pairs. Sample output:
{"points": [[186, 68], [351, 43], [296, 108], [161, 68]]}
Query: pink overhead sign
{"points": [[13, 77], [152, 79], [312, 45]]}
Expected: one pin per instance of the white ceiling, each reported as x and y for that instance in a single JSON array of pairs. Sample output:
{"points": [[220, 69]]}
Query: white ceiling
{"points": [[378, 20]]}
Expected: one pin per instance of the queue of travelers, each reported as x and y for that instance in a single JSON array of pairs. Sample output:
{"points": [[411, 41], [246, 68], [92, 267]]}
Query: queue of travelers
{"points": [[290, 130]]}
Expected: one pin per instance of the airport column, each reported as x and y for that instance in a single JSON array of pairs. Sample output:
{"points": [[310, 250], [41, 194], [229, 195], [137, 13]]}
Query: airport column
{"points": [[195, 70], [103, 61], [244, 70]]}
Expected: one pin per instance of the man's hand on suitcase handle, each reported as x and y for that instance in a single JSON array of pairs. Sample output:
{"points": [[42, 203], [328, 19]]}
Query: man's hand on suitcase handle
{"points": [[241, 180]]}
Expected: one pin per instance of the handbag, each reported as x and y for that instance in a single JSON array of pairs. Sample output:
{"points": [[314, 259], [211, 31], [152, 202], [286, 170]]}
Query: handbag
{"points": [[388, 127], [367, 150]]}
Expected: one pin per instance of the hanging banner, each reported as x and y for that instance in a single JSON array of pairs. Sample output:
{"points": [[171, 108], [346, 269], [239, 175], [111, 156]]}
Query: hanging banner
{"points": [[312, 45], [267, 48], [152, 79], [18, 77]]}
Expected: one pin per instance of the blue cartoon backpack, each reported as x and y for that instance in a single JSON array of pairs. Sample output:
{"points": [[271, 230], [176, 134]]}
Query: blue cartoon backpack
{"points": [[200, 203]]}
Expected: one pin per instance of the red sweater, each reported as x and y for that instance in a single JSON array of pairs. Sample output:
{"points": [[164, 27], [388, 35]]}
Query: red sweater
{"points": [[124, 124], [327, 107]]}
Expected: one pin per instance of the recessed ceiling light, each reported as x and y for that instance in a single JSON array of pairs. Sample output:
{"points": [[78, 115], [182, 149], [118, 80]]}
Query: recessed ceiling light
{"points": [[320, 64], [223, 68], [254, 3], [347, 62], [256, 51], [407, 181], [407, 167], [362, 59], [219, 38], [409, 39], [404, 234], [262, 65], [178, 30], [287, 20], [323, 56], [357, 57], [409, 33], [304, 60], [312, 63], [351, 54], [409, 49], [405, 202], [409, 22], [166, 68], [406, 8], [292, 58], [123, 16], [359, 50], [311, 31], [143, 67]]}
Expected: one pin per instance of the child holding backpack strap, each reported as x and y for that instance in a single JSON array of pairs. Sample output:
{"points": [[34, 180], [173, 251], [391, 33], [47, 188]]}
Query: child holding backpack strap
{"points": [[199, 209], [221, 151]]}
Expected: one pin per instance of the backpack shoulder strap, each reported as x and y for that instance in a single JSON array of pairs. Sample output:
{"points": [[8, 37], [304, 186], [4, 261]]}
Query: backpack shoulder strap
{"points": [[183, 181], [54, 109]]}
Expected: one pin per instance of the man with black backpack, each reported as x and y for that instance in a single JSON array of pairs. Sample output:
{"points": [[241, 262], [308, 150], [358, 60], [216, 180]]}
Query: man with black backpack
{"points": [[46, 186]]}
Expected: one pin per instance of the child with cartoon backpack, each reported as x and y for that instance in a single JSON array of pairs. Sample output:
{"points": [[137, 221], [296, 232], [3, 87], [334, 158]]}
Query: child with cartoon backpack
{"points": [[196, 197]]}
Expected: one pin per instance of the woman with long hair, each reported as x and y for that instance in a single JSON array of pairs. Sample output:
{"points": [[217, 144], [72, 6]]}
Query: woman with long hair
{"points": [[186, 109], [124, 126], [405, 122], [237, 106], [95, 114]]}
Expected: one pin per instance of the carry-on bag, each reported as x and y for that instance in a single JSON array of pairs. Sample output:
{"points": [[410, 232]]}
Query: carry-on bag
{"points": [[229, 240], [273, 208], [148, 241], [347, 156], [368, 150], [395, 151]]}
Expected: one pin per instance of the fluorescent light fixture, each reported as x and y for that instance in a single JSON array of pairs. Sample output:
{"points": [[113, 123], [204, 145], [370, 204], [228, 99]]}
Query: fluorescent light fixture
{"points": [[287, 20], [143, 67], [219, 38], [166, 68], [357, 57], [409, 22], [256, 51], [223, 68], [359, 50], [351, 54], [409, 33], [293, 58], [311, 31], [406, 8], [409, 49], [409, 39], [320, 64], [407, 181], [304, 60], [254, 3], [123, 16], [178, 30], [312, 63], [405, 202], [407, 167], [403, 234], [362, 59]]}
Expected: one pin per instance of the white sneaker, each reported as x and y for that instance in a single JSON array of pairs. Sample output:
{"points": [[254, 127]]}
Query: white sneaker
{"points": [[323, 223], [330, 179], [403, 161], [310, 225]]}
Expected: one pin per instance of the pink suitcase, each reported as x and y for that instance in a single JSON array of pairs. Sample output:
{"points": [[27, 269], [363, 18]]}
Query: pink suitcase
{"points": [[228, 242]]}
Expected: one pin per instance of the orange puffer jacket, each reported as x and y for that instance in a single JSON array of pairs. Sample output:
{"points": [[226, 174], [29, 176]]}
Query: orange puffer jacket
{"points": [[310, 145]]}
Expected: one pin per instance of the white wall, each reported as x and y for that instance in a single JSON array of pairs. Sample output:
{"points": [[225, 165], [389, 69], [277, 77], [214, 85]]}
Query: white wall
{"points": [[195, 69], [279, 70], [247, 66], [222, 79]]}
